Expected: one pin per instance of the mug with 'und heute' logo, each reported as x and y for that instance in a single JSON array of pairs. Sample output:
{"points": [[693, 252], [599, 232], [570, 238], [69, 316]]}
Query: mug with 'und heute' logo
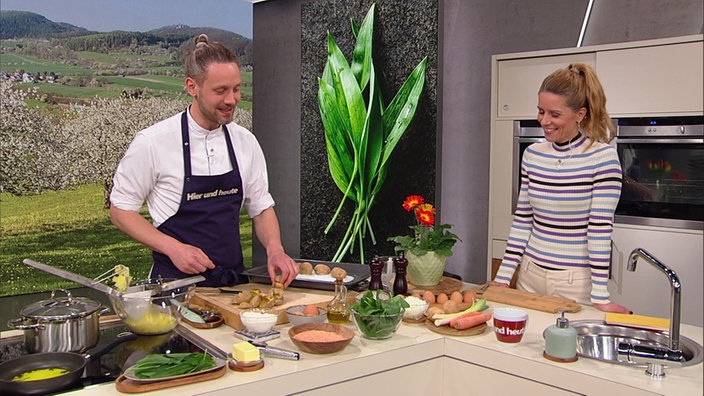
{"points": [[509, 324]]}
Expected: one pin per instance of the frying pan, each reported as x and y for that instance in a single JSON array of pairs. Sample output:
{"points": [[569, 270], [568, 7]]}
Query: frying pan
{"points": [[73, 362]]}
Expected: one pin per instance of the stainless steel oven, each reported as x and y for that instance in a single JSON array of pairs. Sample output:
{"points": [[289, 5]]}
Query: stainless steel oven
{"points": [[663, 171], [525, 133]]}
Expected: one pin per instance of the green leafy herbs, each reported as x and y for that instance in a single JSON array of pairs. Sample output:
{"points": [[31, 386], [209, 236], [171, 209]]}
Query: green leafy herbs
{"points": [[172, 364], [377, 316], [361, 128]]}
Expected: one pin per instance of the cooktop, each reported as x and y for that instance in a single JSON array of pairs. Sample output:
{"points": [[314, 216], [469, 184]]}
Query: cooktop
{"points": [[113, 362]]}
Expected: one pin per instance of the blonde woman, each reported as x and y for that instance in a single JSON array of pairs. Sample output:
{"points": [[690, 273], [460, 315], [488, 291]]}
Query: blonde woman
{"points": [[570, 185]]}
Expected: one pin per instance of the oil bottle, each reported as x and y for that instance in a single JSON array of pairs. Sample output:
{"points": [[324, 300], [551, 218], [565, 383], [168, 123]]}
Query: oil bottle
{"points": [[338, 310]]}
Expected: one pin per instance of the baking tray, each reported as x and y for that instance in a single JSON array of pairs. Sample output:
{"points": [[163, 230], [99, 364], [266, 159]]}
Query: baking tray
{"points": [[359, 272]]}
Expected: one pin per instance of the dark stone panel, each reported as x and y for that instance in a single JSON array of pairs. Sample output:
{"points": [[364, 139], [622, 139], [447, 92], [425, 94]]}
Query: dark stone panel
{"points": [[405, 31]]}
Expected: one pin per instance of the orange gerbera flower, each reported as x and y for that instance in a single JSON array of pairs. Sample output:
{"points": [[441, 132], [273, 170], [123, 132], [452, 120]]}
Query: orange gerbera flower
{"points": [[412, 201], [427, 236], [425, 213]]}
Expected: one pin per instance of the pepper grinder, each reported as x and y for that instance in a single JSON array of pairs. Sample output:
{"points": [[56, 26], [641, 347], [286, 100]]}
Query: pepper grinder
{"points": [[400, 284], [560, 341], [376, 266]]}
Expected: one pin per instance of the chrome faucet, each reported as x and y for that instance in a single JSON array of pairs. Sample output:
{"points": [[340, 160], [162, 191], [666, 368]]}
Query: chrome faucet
{"points": [[654, 357], [675, 294]]}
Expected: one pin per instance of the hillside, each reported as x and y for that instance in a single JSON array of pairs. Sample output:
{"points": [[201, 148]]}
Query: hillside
{"points": [[22, 24], [18, 25]]}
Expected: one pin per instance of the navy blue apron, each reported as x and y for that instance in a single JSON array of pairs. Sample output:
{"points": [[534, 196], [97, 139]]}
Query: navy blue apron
{"points": [[207, 218]]}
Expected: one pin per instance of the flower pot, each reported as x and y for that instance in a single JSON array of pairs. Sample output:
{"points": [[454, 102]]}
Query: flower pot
{"points": [[425, 270]]}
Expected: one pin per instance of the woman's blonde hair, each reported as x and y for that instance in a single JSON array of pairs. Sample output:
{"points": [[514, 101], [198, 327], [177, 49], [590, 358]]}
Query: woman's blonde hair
{"points": [[205, 53], [580, 87]]}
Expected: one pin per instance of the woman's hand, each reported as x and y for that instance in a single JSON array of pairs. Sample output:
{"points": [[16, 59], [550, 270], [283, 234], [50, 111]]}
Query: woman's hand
{"points": [[495, 283], [612, 307]]}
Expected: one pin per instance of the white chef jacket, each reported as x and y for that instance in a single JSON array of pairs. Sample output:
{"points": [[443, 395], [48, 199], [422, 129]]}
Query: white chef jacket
{"points": [[152, 169]]}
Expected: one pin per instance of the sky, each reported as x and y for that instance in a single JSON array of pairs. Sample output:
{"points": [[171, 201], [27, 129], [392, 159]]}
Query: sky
{"points": [[141, 15]]}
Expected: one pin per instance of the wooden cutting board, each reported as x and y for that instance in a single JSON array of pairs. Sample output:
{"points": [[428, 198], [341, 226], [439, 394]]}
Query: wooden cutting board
{"points": [[126, 385], [529, 300], [213, 298]]}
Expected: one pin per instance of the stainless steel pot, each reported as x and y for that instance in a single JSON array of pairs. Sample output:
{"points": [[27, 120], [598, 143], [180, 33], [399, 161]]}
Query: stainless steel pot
{"points": [[60, 324]]}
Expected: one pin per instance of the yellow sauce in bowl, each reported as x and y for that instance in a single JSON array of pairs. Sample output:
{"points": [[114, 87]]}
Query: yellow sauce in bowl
{"points": [[153, 322]]}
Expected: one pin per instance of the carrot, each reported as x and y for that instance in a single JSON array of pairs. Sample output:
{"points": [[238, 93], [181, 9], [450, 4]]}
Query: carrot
{"points": [[464, 315], [467, 321]]}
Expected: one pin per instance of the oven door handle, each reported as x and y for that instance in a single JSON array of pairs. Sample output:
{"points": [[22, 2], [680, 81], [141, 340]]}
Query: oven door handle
{"points": [[658, 141]]}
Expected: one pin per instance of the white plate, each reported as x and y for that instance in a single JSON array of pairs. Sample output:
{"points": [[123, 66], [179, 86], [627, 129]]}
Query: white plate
{"points": [[129, 373]]}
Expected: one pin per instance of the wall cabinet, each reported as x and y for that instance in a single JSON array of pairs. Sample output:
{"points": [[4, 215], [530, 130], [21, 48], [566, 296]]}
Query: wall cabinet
{"points": [[666, 79], [518, 82]]}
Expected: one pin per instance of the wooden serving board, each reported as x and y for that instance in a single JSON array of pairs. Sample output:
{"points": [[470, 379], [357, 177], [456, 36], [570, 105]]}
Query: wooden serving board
{"points": [[529, 300], [213, 298], [446, 285], [126, 385]]}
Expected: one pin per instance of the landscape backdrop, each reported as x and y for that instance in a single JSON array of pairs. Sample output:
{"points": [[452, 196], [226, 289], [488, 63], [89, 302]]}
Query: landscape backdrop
{"points": [[72, 100]]}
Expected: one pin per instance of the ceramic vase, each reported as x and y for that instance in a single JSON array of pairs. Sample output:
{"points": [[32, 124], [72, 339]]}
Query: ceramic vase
{"points": [[425, 270]]}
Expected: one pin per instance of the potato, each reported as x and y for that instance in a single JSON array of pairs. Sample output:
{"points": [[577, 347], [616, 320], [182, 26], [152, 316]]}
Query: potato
{"points": [[456, 296], [338, 273], [305, 268], [434, 310], [451, 306], [441, 298], [429, 297], [243, 296], [321, 269]]}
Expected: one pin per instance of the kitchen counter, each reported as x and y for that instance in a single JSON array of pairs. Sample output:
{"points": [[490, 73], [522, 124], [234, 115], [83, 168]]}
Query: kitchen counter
{"points": [[418, 361]]}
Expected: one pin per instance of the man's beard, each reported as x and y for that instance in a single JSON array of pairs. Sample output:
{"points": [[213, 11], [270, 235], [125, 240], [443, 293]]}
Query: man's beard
{"points": [[211, 113]]}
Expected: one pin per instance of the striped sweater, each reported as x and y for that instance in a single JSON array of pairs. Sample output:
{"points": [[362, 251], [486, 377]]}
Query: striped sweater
{"points": [[564, 216]]}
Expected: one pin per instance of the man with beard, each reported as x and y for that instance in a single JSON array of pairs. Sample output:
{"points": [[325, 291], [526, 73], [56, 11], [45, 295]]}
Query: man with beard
{"points": [[196, 170]]}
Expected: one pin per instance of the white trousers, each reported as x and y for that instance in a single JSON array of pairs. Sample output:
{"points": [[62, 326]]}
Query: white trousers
{"points": [[574, 284]]}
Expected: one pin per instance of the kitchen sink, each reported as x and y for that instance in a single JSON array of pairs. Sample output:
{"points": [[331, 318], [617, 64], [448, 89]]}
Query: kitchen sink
{"points": [[598, 340]]}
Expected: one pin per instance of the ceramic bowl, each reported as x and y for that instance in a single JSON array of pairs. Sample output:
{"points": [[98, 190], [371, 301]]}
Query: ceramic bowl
{"points": [[337, 340], [258, 321], [296, 317]]}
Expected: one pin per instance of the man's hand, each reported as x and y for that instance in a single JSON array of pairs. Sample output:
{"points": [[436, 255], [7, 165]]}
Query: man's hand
{"points": [[281, 262], [190, 259]]}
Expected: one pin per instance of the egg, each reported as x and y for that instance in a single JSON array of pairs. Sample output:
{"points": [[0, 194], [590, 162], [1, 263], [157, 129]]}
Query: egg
{"points": [[468, 296], [310, 310], [442, 298], [429, 297], [456, 296]]}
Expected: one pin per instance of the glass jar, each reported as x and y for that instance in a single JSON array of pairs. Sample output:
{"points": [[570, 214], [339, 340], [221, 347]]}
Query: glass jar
{"points": [[338, 310]]}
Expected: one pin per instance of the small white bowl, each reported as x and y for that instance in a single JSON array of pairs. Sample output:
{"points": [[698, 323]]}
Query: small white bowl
{"points": [[258, 321]]}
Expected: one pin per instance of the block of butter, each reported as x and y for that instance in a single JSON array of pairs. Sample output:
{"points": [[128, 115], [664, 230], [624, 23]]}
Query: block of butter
{"points": [[640, 321], [245, 352]]}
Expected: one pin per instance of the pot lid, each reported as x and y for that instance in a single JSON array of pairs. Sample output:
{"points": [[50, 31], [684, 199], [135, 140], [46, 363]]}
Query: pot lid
{"points": [[60, 308]]}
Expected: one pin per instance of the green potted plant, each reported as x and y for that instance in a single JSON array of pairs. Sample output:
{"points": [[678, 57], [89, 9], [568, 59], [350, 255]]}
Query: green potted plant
{"points": [[429, 245]]}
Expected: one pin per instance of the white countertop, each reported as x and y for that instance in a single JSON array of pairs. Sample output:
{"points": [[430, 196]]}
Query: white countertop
{"points": [[414, 343]]}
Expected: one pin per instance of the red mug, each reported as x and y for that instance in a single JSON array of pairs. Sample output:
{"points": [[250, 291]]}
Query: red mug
{"points": [[509, 324]]}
